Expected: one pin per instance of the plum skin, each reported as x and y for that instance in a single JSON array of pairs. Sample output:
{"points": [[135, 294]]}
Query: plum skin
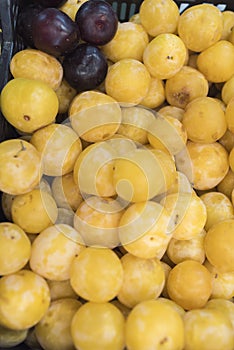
{"points": [[85, 68], [97, 22], [24, 22], [54, 32]]}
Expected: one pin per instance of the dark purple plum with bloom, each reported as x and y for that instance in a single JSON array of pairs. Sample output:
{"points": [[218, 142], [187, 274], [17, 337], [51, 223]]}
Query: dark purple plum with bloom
{"points": [[97, 22]]}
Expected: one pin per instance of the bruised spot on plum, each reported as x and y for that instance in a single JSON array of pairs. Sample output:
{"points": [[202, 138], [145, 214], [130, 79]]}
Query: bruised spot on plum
{"points": [[182, 97], [27, 118], [170, 57], [163, 341], [216, 275]]}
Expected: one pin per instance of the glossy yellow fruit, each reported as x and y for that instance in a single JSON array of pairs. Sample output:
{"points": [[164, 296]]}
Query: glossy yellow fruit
{"points": [[129, 41], [172, 303], [185, 86], [226, 185], [228, 23], [97, 220], [187, 214], [204, 120], [159, 17], [99, 326], [199, 157], [20, 166], [96, 274], [179, 250], [167, 134], [225, 306], [143, 230], [153, 323], [70, 7], [229, 114], [222, 282], [156, 94], [36, 64], [53, 251], [167, 268], [53, 330], [128, 81], [121, 144], [182, 184], [227, 91], [218, 207], [136, 122], [65, 93], [94, 167], [26, 293], [208, 62], [169, 169], [28, 104], [196, 31], [165, 55], [135, 18], [143, 279], [15, 248], [171, 111], [227, 140], [59, 146], [10, 338], [66, 192], [138, 176], [94, 116], [37, 204], [189, 284], [61, 289], [218, 245], [207, 328]]}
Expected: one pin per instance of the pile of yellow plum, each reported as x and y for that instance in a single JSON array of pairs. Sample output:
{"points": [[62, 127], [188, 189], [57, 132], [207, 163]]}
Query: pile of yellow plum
{"points": [[119, 220]]}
